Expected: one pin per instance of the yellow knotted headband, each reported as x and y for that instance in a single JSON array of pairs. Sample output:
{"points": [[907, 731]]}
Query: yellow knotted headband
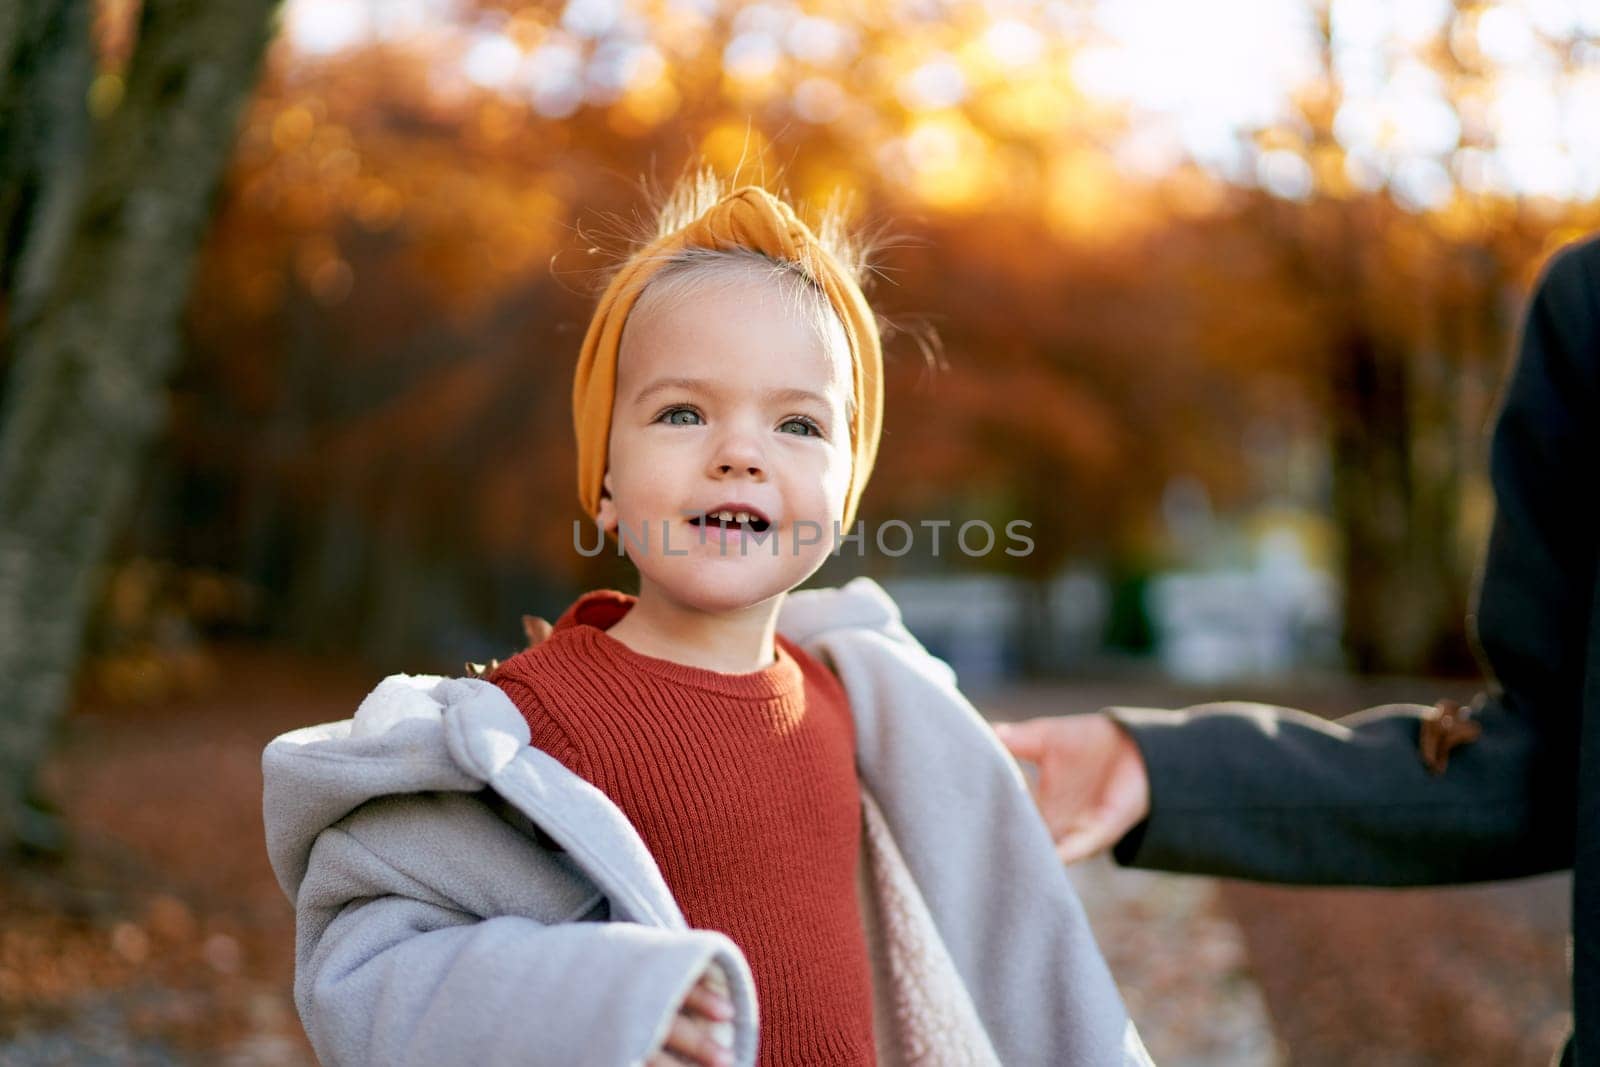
{"points": [[751, 218]]}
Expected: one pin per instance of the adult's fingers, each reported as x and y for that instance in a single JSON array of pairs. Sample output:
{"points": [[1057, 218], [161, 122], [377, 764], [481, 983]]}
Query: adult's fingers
{"points": [[1085, 841], [1027, 739], [1122, 803]]}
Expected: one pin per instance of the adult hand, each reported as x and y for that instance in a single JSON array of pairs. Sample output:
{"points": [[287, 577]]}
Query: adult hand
{"points": [[702, 1034], [1092, 786]]}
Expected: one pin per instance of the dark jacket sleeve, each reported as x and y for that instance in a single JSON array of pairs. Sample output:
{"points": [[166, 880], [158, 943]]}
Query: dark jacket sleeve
{"points": [[1280, 795]]}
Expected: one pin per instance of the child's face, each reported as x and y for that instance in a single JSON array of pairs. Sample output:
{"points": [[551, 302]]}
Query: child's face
{"points": [[728, 396]]}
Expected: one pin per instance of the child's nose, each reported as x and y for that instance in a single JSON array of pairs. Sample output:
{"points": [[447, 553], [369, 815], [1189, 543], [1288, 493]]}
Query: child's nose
{"points": [[739, 452], [751, 468]]}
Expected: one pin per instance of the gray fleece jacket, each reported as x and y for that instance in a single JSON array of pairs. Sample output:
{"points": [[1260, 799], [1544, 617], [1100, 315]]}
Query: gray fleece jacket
{"points": [[463, 898]]}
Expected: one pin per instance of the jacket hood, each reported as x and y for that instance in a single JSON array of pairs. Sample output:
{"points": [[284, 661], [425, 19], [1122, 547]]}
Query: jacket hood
{"points": [[406, 736]]}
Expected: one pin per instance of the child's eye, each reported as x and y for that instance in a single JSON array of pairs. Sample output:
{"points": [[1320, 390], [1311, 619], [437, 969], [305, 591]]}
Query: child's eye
{"points": [[671, 417], [807, 427]]}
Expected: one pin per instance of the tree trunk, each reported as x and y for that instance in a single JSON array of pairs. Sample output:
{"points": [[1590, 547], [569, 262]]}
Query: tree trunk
{"points": [[45, 70], [86, 393], [1394, 493]]}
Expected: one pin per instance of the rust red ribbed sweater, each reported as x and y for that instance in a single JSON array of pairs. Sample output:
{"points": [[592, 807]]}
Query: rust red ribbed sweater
{"points": [[744, 788]]}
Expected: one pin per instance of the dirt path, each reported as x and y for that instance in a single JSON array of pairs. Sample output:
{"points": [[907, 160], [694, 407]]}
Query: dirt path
{"points": [[165, 940]]}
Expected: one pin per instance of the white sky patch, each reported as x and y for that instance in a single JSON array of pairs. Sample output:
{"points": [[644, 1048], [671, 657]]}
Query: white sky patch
{"points": [[1559, 18], [1013, 43], [935, 84], [1152, 148], [703, 8], [1582, 131], [1506, 36], [591, 18], [1416, 119], [1364, 172], [819, 100], [555, 79], [1284, 174], [820, 41], [326, 26], [1421, 183], [1525, 114], [492, 61], [1196, 78], [1209, 73], [932, 147], [753, 55], [1214, 68], [618, 64], [770, 19], [396, 19], [323, 27], [1477, 171], [1541, 169], [1235, 58]]}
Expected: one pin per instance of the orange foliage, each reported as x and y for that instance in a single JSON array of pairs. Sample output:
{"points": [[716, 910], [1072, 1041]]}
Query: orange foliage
{"points": [[395, 289]]}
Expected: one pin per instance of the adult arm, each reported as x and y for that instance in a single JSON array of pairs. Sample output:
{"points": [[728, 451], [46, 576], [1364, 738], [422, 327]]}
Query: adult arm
{"points": [[1279, 795]]}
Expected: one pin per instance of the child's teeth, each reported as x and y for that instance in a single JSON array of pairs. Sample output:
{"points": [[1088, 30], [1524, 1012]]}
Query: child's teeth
{"points": [[743, 516]]}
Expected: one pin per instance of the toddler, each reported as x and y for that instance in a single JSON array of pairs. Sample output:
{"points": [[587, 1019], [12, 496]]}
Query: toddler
{"points": [[716, 821]]}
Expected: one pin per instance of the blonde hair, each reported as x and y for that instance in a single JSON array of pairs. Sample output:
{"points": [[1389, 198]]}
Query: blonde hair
{"points": [[696, 191]]}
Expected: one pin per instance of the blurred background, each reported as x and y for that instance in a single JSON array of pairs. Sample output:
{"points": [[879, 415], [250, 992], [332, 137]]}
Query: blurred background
{"points": [[1218, 297]]}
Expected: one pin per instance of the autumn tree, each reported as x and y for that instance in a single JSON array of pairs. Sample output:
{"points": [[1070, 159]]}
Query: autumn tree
{"points": [[1412, 260], [106, 187], [414, 223]]}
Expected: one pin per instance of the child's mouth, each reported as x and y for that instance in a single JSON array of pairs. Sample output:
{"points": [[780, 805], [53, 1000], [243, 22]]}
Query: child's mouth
{"points": [[729, 520]]}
